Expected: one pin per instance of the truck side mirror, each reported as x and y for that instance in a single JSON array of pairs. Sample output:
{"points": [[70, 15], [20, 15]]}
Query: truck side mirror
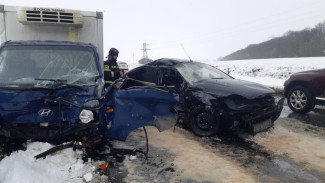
{"points": [[1, 59]]}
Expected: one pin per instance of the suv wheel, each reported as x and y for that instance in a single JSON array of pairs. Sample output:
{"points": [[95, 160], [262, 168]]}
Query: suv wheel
{"points": [[203, 123], [300, 100]]}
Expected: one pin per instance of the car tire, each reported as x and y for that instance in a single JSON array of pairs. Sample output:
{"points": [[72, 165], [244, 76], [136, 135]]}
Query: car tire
{"points": [[203, 123], [300, 100]]}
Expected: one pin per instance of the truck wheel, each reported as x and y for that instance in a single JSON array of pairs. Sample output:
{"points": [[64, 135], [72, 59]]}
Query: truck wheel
{"points": [[3, 142], [300, 100], [203, 123]]}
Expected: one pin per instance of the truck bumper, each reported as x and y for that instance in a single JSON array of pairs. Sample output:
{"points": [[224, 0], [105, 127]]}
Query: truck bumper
{"points": [[37, 131]]}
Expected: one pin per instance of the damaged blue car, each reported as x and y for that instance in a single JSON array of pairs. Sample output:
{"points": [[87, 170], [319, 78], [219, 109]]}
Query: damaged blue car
{"points": [[54, 90]]}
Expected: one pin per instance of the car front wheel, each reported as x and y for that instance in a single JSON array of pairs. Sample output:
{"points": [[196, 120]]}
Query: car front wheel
{"points": [[203, 123], [300, 100]]}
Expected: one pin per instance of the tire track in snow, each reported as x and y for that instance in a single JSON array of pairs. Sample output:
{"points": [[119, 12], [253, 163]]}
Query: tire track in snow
{"points": [[301, 147], [196, 162]]}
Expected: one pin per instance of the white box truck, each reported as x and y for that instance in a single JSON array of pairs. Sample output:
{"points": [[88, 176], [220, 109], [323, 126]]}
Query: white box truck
{"points": [[52, 81], [34, 23]]}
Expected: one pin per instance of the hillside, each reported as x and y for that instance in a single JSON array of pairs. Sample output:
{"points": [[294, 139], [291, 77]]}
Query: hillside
{"points": [[304, 43]]}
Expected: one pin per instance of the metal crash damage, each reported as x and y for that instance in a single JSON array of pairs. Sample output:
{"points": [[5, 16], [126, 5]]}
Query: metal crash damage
{"points": [[134, 104], [126, 107], [225, 112], [211, 101], [53, 91], [50, 115]]}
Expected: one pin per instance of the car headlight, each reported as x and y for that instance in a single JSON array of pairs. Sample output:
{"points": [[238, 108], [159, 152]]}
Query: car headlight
{"points": [[238, 103], [86, 116]]}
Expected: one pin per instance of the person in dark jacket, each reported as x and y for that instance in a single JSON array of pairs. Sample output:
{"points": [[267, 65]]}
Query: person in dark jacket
{"points": [[111, 70]]}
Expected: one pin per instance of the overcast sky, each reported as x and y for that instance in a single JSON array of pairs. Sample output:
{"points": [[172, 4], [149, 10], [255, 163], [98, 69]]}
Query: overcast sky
{"points": [[208, 29]]}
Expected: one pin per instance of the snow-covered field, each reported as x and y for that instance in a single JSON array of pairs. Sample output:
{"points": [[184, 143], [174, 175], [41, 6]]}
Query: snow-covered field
{"points": [[67, 166], [269, 72]]}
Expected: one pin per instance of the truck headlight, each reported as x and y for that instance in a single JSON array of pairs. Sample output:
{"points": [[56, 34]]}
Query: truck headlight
{"points": [[86, 116]]}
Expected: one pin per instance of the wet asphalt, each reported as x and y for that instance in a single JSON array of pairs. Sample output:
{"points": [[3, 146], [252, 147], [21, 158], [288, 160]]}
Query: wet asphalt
{"points": [[258, 156]]}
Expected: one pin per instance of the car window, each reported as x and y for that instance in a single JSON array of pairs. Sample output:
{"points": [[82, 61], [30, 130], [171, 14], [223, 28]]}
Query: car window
{"points": [[195, 71], [147, 74], [170, 77]]}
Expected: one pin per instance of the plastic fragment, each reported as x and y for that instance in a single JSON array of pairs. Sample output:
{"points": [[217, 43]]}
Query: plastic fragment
{"points": [[133, 157], [104, 166], [88, 177]]}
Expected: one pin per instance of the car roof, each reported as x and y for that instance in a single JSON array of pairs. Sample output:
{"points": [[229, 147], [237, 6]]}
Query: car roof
{"points": [[121, 62], [167, 62]]}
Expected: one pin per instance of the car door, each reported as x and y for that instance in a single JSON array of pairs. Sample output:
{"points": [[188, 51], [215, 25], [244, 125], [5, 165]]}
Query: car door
{"points": [[321, 79], [134, 104], [315, 82]]}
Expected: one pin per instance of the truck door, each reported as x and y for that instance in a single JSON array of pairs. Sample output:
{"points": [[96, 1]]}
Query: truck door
{"points": [[136, 106]]}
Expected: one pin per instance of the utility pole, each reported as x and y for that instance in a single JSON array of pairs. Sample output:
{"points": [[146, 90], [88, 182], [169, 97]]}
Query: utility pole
{"points": [[145, 54]]}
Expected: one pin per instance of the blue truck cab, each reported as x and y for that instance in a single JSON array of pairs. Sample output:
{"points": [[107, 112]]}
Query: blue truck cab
{"points": [[51, 90]]}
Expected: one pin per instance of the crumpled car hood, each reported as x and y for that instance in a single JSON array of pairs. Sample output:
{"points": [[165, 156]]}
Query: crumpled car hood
{"points": [[24, 106], [227, 87]]}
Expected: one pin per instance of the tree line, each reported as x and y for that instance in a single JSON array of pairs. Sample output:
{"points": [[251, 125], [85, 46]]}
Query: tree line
{"points": [[309, 42]]}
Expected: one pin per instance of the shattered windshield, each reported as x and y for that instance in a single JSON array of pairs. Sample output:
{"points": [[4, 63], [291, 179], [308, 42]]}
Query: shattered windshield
{"points": [[194, 72], [47, 66]]}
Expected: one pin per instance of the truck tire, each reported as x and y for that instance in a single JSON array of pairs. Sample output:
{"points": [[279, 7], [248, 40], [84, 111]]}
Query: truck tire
{"points": [[300, 100], [203, 123]]}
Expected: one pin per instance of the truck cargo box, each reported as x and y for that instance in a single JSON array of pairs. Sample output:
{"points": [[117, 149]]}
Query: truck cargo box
{"points": [[34, 23]]}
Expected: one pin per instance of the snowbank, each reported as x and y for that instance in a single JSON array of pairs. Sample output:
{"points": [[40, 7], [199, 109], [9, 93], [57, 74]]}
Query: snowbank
{"points": [[270, 72], [64, 166]]}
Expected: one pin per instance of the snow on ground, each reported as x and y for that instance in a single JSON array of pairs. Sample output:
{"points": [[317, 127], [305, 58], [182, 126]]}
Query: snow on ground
{"points": [[269, 72], [63, 166]]}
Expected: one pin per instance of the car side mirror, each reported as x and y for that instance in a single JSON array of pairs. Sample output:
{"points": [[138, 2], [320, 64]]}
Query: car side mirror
{"points": [[170, 86]]}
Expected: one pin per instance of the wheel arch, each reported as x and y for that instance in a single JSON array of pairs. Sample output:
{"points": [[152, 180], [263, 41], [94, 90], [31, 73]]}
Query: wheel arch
{"points": [[293, 84], [215, 120]]}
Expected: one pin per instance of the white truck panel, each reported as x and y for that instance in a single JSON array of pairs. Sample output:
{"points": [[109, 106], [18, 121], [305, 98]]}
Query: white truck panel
{"points": [[10, 8], [2, 28], [90, 32]]}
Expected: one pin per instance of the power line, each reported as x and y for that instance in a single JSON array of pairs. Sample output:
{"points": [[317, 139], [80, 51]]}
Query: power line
{"points": [[145, 53]]}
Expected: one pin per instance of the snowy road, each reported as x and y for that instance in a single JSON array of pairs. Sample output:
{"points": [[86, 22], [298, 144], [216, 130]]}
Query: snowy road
{"points": [[293, 151]]}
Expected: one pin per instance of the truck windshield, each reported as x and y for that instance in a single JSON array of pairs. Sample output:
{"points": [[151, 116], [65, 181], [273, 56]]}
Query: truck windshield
{"points": [[47, 66]]}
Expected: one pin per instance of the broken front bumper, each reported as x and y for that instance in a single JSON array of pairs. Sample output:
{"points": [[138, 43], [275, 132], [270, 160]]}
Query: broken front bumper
{"points": [[52, 132], [262, 120], [256, 121]]}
